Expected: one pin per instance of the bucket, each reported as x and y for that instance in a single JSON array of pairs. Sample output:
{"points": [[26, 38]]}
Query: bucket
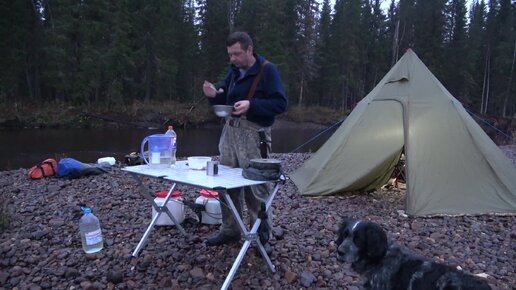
{"points": [[160, 150], [212, 214], [175, 206]]}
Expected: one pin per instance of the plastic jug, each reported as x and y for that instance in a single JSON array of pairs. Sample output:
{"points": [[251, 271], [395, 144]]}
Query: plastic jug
{"points": [[160, 150], [212, 213], [175, 206]]}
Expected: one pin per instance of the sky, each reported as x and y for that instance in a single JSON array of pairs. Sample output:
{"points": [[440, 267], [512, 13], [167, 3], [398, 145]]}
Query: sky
{"points": [[386, 3]]}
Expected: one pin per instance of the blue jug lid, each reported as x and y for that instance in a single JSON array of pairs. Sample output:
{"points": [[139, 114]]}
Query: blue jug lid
{"points": [[86, 209], [160, 136]]}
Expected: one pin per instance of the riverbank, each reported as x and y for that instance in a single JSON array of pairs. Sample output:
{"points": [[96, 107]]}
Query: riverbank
{"points": [[41, 248], [140, 115]]}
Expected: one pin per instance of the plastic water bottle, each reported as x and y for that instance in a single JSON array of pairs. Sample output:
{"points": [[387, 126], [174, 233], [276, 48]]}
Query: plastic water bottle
{"points": [[172, 133], [91, 235]]}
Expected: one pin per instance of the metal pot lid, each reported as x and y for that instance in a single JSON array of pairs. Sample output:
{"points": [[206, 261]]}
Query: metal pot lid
{"points": [[265, 163]]}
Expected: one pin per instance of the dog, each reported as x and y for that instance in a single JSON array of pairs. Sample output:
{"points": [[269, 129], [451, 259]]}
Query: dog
{"points": [[387, 266]]}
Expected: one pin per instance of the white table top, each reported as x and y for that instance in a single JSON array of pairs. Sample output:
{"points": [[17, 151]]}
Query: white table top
{"points": [[227, 178]]}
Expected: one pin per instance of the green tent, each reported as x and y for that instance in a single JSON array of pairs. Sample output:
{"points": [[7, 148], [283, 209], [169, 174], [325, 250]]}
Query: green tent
{"points": [[452, 166]]}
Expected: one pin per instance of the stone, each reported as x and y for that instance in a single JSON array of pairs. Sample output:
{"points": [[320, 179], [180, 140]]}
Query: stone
{"points": [[42, 242], [197, 273], [114, 277], [290, 276], [3, 277], [306, 278]]}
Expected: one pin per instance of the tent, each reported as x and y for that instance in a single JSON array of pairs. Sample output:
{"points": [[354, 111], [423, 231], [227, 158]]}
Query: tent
{"points": [[452, 166]]}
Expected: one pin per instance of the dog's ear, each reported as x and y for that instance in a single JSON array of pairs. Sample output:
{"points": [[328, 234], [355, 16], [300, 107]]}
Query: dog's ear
{"points": [[376, 241]]}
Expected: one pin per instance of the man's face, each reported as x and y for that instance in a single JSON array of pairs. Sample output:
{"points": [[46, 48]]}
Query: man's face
{"points": [[239, 57]]}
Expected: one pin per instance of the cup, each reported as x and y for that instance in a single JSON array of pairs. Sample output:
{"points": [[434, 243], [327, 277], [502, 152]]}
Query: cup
{"points": [[212, 168]]}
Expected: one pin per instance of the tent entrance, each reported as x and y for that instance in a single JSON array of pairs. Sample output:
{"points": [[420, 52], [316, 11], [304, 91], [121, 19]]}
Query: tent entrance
{"points": [[376, 145]]}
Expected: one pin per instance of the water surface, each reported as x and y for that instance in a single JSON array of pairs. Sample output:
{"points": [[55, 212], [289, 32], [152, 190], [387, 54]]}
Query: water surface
{"points": [[26, 147]]}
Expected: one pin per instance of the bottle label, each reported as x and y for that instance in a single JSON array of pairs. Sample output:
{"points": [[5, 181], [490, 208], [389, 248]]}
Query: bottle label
{"points": [[93, 238]]}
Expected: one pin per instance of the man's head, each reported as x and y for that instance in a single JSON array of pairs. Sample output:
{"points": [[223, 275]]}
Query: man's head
{"points": [[240, 49]]}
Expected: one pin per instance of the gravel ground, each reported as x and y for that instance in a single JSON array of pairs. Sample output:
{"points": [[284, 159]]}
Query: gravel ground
{"points": [[42, 249]]}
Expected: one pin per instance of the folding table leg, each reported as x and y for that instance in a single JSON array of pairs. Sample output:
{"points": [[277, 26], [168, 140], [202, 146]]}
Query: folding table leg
{"points": [[236, 264], [159, 211], [142, 241], [249, 237]]}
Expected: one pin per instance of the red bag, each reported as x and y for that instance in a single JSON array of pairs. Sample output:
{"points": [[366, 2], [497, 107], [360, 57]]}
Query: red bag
{"points": [[44, 169]]}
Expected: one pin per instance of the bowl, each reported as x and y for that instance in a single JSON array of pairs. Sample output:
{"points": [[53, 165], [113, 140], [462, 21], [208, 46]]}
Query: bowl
{"points": [[198, 162], [222, 110]]}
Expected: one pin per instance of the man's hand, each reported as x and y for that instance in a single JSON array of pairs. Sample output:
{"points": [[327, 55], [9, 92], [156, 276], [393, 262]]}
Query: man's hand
{"points": [[241, 107], [209, 90]]}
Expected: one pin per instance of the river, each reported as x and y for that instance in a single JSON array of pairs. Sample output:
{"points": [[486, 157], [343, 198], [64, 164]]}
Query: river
{"points": [[27, 147]]}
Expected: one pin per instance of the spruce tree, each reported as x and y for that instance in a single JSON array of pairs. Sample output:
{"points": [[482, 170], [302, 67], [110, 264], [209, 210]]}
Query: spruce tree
{"points": [[214, 29], [455, 60], [321, 82], [476, 56]]}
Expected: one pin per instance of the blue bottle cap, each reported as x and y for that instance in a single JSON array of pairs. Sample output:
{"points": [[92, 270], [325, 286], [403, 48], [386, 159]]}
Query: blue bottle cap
{"points": [[86, 209]]}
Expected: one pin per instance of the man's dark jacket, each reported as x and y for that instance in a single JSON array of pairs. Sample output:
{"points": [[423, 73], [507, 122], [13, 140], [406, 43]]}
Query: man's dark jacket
{"points": [[269, 98]]}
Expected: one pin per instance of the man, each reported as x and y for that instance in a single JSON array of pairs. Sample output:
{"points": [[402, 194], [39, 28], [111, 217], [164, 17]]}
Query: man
{"points": [[253, 115]]}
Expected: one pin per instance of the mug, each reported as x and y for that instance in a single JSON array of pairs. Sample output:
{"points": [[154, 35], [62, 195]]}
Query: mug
{"points": [[212, 167]]}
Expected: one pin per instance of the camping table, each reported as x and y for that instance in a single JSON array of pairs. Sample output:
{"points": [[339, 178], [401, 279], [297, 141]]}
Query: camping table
{"points": [[227, 178]]}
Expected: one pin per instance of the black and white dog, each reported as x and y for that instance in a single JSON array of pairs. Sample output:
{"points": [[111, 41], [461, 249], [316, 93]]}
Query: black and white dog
{"points": [[388, 266]]}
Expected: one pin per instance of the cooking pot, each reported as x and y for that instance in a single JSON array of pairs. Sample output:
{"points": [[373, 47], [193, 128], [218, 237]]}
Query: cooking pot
{"points": [[160, 150], [222, 110]]}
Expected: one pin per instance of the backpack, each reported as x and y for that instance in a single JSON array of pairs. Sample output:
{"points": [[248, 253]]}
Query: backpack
{"points": [[46, 168]]}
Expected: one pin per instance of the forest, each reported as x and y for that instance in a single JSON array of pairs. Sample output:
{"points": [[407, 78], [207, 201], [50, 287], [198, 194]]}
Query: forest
{"points": [[330, 53]]}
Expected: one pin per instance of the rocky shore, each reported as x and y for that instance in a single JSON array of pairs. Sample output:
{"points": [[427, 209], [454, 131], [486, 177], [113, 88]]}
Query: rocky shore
{"points": [[41, 249]]}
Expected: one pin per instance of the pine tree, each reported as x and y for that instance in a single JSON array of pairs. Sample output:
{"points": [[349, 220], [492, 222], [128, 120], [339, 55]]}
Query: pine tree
{"points": [[454, 66], [429, 31], [393, 32], [92, 22], [344, 43], [121, 85], [503, 52], [491, 33], [475, 56], [168, 48], [406, 15], [20, 31], [321, 82], [59, 64], [373, 43], [188, 55], [300, 35], [214, 29]]}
